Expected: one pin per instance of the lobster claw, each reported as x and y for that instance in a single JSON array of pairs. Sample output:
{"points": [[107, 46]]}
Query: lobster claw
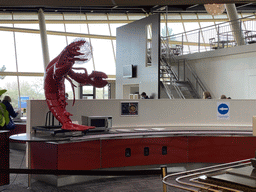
{"points": [[96, 78]]}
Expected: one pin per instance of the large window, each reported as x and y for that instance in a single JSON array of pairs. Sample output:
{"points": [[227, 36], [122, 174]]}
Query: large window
{"points": [[21, 59]]}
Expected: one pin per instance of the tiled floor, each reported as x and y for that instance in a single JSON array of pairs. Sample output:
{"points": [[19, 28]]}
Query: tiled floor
{"points": [[19, 182]]}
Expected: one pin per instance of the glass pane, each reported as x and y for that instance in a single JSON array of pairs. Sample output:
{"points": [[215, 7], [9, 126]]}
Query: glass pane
{"points": [[103, 56], [221, 16], [29, 52], [206, 24], [56, 45], [176, 27], [98, 16], [31, 87], [53, 16], [113, 28], [188, 16], [7, 53], [114, 43], [25, 16], [87, 90], [193, 37], [105, 92], [68, 89], [68, 16], [10, 84], [204, 16], [186, 49], [163, 30], [117, 17], [87, 97], [99, 93], [174, 16], [77, 28], [55, 27], [5, 16], [99, 29], [27, 26], [191, 26], [136, 16], [5, 25]]}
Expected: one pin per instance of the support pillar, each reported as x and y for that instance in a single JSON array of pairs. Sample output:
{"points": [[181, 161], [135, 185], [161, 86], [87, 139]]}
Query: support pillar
{"points": [[43, 34], [235, 24]]}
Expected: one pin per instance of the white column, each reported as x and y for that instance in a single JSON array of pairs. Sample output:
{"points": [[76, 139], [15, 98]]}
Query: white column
{"points": [[43, 34], [235, 24]]}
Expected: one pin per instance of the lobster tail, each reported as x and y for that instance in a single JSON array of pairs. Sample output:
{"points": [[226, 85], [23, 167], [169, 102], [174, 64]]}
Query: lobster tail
{"points": [[75, 127]]}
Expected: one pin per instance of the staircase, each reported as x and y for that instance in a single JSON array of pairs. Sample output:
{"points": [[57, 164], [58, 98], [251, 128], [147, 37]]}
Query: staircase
{"points": [[177, 80]]}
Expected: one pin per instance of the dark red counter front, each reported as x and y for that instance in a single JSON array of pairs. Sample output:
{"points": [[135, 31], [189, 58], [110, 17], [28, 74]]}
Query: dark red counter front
{"points": [[4, 160], [121, 152], [19, 128]]}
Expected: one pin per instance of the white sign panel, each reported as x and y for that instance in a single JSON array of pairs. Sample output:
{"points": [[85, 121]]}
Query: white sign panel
{"points": [[223, 110]]}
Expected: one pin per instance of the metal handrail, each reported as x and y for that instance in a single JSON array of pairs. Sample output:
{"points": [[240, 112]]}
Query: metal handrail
{"points": [[198, 81], [193, 37], [195, 76], [168, 91]]}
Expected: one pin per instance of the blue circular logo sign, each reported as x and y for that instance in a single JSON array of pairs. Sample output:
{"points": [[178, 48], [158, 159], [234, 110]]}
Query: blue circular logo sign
{"points": [[223, 109]]}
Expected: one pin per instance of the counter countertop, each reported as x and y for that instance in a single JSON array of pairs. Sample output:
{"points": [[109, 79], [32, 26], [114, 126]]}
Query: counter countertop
{"points": [[118, 134]]}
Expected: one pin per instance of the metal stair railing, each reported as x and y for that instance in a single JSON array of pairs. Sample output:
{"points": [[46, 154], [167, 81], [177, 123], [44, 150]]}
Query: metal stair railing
{"points": [[165, 49], [199, 86], [171, 75], [188, 73], [167, 88]]}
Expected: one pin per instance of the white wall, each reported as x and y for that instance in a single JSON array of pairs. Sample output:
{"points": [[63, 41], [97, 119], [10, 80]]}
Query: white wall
{"points": [[131, 50], [230, 71], [176, 114]]}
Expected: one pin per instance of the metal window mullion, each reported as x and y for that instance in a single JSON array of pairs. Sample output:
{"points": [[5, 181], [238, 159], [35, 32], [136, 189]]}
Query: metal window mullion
{"points": [[90, 43], [111, 39], [22, 30], [65, 29], [200, 28], [16, 60], [185, 32]]}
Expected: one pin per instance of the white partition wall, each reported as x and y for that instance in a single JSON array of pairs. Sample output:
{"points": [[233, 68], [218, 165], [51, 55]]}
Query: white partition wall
{"points": [[131, 41], [174, 114], [230, 71]]}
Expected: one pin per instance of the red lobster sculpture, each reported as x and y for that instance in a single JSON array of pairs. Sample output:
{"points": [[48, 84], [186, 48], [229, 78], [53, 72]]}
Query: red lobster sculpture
{"points": [[60, 69]]}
